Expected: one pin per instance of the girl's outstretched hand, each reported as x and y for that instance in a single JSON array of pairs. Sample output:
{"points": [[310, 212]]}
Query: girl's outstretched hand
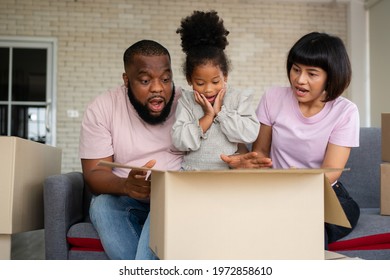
{"points": [[248, 160]]}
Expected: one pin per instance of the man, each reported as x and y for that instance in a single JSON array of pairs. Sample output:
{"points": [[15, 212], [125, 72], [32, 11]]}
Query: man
{"points": [[130, 125]]}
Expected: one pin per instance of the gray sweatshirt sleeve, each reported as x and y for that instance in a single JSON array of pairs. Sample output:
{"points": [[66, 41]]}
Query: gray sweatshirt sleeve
{"points": [[186, 131], [238, 119]]}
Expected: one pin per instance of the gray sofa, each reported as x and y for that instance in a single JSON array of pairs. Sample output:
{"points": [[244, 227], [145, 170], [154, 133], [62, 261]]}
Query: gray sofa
{"points": [[70, 235], [363, 184], [66, 215]]}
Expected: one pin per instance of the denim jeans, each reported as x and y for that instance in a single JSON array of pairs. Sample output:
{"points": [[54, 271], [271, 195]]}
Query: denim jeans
{"points": [[351, 210], [123, 226]]}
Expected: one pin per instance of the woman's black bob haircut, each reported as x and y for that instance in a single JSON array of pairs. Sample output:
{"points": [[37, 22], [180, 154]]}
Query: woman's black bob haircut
{"points": [[327, 52]]}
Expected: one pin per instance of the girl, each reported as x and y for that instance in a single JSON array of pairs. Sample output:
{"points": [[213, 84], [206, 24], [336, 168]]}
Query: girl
{"points": [[212, 118]]}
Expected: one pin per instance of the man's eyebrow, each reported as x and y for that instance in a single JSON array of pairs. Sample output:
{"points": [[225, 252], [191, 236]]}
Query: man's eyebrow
{"points": [[143, 73], [147, 72], [167, 71]]}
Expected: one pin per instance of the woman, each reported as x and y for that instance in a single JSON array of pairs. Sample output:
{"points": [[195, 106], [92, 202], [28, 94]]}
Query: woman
{"points": [[309, 124]]}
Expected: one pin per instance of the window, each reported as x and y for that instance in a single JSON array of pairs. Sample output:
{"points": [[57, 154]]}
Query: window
{"points": [[27, 88]]}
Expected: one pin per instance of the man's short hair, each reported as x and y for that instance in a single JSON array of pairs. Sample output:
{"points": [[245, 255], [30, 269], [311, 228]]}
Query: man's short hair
{"points": [[145, 48]]}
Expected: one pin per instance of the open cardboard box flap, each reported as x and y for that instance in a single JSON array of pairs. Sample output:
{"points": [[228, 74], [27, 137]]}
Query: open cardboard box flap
{"points": [[334, 213]]}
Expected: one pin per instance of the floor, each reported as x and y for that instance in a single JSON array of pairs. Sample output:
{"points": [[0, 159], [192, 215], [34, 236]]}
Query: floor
{"points": [[28, 246]]}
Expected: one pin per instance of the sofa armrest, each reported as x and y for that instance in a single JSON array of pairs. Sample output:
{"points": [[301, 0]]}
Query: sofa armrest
{"points": [[63, 206]]}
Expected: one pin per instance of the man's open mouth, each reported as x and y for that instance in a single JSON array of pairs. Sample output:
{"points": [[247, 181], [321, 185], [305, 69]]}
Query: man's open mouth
{"points": [[156, 104]]}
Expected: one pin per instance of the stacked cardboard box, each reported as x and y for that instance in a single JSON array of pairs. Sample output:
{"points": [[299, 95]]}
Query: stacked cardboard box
{"points": [[385, 166], [24, 166]]}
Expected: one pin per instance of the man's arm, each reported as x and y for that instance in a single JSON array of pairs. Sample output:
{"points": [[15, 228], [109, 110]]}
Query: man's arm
{"points": [[101, 179]]}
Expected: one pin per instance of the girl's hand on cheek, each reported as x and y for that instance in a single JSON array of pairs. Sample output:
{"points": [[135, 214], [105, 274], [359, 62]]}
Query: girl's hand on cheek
{"points": [[204, 103], [219, 100]]}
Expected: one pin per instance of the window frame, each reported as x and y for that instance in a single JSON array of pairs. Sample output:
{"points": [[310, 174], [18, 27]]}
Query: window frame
{"points": [[50, 44]]}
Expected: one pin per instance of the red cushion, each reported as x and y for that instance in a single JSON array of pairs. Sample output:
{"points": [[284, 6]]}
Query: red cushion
{"points": [[85, 244], [371, 242]]}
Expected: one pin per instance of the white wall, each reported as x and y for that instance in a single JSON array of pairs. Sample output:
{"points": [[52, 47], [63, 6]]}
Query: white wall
{"points": [[379, 18], [92, 36], [359, 91]]}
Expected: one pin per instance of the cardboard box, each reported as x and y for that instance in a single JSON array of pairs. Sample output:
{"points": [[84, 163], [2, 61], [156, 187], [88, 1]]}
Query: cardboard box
{"points": [[385, 189], [385, 129], [269, 214], [24, 166], [241, 214], [329, 255]]}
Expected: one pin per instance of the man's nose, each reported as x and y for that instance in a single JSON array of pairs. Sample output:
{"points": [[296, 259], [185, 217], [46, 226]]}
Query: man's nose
{"points": [[156, 86]]}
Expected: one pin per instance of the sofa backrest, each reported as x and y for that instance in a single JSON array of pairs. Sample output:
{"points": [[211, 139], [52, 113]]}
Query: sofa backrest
{"points": [[363, 179]]}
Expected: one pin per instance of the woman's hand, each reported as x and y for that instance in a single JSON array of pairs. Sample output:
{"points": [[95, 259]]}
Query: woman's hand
{"points": [[248, 160]]}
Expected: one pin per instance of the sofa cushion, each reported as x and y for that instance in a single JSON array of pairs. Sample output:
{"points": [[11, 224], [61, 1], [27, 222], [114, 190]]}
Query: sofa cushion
{"points": [[87, 255], [367, 254], [371, 242], [83, 237], [371, 228], [370, 222]]}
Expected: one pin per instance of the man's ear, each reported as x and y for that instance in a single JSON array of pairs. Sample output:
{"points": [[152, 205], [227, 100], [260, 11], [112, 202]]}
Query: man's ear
{"points": [[125, 79]]}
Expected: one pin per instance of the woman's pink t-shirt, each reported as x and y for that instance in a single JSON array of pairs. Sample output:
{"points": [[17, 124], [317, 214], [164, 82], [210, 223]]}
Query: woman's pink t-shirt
{"points": [[298, 141]]}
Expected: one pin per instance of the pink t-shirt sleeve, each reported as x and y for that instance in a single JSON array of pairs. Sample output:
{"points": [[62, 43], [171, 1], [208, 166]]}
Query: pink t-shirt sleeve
{"points": [[271, 103], [95, 136], [346, 132]]}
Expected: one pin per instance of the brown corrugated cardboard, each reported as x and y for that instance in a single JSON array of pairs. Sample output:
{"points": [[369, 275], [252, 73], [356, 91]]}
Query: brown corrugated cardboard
{"points": [[385, 129], [385, 189], [24, 166], [241, 214]]}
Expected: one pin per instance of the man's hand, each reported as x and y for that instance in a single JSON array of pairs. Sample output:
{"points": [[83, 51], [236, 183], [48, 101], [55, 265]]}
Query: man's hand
{"points": [[248, 160], [137, 184]]}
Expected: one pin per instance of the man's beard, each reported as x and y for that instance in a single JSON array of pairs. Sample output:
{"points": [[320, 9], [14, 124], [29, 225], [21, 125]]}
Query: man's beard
{"points": [[144, 112]]}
